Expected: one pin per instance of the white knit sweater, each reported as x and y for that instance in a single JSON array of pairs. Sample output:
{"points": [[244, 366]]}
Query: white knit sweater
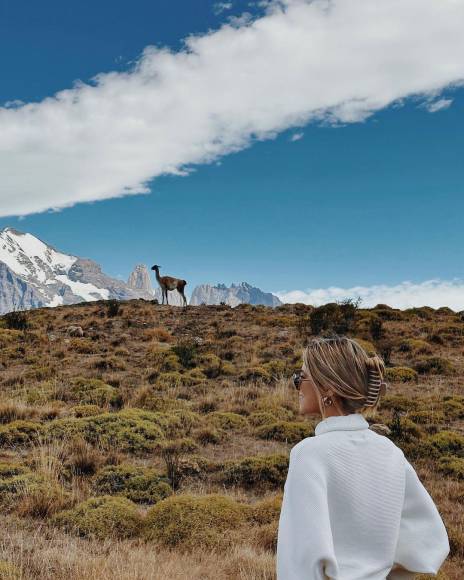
{"points": [[353, 506]]}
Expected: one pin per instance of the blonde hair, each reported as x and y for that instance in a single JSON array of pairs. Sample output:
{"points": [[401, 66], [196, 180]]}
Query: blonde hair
{"points": [[341, 365]]}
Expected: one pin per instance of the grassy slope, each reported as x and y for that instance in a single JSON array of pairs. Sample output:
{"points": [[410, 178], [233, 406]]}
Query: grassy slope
{"points": [[229, 361]]}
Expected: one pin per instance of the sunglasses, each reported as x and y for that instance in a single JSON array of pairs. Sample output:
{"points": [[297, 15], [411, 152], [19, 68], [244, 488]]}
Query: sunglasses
{"points": [[297, 379]]}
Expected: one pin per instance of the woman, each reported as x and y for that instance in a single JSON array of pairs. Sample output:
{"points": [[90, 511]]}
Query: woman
{"points": [[353, 506]]}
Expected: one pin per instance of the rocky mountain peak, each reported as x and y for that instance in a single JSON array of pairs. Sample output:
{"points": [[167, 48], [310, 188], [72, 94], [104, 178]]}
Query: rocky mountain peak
{"points": [[139, 279]]}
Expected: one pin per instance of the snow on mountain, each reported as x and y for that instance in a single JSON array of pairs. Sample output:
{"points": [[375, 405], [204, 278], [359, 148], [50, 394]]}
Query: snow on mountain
{"points": [[34, 274]]}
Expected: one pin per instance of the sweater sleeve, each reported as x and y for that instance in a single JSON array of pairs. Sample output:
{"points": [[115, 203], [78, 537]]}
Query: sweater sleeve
{"points": [[422, 545], [304, 543]]}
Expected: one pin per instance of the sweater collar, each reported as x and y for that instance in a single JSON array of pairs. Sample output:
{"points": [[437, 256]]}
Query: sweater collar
{"points": [[341, 423]]}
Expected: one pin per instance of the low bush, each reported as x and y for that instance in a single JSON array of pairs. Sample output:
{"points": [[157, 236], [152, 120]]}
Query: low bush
{"points": [[86, 410], [227, 421], [141, 485], [256, 472], [131, 430], [257, 373], [262, 418], [401, 375], [101, 518], [434, 365], [15, 479], [415, 346], [453, 407], [165, 360], [19, 433], [169, 380], [449, 442], [195, 522], [84, 391], [16, 320], [209, 435], [267, 510], [451, 465], [400, 402], [286, 431]]}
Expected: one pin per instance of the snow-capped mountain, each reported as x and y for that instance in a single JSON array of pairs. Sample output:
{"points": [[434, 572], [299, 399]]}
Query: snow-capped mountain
{"points": [[34, 274], [234, 295]]}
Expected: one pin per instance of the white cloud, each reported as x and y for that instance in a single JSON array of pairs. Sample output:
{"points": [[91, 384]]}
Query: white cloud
{"points": [[220, 7], [434, 293], [297, 136], [439, 105], [302, 61]]}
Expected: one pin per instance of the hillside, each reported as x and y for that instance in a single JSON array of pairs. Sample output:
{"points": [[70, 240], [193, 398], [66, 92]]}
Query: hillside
{"points": [[137, 447]]}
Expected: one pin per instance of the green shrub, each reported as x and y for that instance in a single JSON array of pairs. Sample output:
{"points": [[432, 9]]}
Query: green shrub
{"points": [[113, 308], [101, 518], [434, 365], [453, 407], [211, 365], [286, 431], [424, 312], [266, 511], [195, 522], [425, 416], [451, 465], [338, 318], [276, 368], [169, 380], [262, 418], [19, 433], [85, 410], [401, 375], [257, 472], [448, 442], [404, 430], [278, 412], [193, 377], [165, 360], [16, 320], [415, 345], [186, 353], [227, 421], [14, 480], [131, 430], [258, 373], [8, 337], [85, 391], [141, 485], [400, 402], [209, 435]]}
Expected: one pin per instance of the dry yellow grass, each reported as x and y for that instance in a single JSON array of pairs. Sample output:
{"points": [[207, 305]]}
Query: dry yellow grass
{"points": [[70, 407]]}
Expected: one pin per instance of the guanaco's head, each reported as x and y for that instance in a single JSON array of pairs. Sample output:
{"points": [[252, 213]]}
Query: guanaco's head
{"points": [[155, 267]]}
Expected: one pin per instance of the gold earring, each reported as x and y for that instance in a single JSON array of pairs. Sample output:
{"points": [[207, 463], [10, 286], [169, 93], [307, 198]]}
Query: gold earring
{"points": [[327, 401]]}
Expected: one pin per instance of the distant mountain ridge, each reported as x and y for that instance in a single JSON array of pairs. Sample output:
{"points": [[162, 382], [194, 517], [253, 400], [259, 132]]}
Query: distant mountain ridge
{"points": [[34, 274], [234, 295]]}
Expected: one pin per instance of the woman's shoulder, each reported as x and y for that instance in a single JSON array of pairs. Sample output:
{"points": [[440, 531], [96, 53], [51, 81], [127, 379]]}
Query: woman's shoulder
{"points": [[309, 446]]}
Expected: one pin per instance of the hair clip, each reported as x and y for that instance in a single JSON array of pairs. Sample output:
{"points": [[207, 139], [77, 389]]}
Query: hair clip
{"points": [[376, 386]]}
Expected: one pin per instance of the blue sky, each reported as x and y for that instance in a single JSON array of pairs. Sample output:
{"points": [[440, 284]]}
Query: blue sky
{"points": [[372, 201]]}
